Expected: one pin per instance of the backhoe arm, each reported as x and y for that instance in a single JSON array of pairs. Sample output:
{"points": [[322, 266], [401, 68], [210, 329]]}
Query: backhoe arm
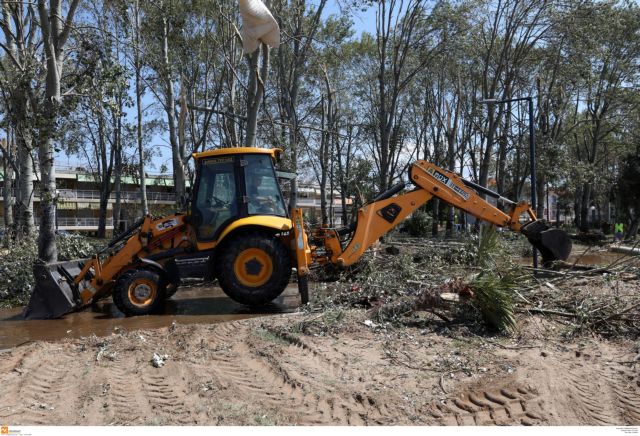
{"points": [[454, 190], [387, 211]]}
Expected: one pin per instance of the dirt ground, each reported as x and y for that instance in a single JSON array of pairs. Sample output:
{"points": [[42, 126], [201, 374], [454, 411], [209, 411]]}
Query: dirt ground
{"points": [[276, 370], [339, 362]]}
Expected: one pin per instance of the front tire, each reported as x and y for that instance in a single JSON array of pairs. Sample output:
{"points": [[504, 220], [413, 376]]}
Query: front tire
{"points": [[253, 268], [138, 292]]}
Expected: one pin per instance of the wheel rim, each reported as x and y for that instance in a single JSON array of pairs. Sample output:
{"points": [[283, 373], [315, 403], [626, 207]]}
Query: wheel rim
{"points": [[142, 292], [253, 267]]}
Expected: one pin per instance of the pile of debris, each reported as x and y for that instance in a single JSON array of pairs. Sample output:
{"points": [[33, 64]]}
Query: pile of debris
{"points": [[601, 299], [478, 283]]}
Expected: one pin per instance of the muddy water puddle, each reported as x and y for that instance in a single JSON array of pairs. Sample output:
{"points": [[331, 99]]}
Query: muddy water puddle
{"points": [[586, 256], [191, 305]]}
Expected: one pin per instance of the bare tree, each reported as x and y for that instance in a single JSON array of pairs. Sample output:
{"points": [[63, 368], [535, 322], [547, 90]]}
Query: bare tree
{"points": [[55, 32], [21, 41], [137, 66], [301, 23]]}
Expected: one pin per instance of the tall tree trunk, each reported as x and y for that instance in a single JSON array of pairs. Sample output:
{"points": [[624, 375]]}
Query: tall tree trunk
{"points": [[104, 170], [541, 184], [7, 193], [293, 199], [55, 33], [435, 208], [47, 250], [117, 187], [327, 126], [102, 214], [632, 231], [138, 67], [257, 79], [584, 207], [179, 177], [343, 172], [577, 205], [452, 130], [485, 164], [24, 195], [25, 225]]}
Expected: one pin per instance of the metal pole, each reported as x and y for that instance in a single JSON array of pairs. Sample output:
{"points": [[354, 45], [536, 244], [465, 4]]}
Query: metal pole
{"points": [[532, 151]]}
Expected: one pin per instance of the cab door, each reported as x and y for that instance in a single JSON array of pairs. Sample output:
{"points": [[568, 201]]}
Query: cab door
{"points": [[216, 203]]}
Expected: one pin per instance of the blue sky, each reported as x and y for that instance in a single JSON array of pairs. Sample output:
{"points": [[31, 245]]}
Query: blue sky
{"points": [[363, 21]]}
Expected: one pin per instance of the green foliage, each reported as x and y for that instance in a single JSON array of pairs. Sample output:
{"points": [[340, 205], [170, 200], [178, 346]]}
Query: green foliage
{"points": [[16, 264], [493, 287], [488, 246], [16, 278], [493, 298], [419, 224], [77, 247], [326, 324]]}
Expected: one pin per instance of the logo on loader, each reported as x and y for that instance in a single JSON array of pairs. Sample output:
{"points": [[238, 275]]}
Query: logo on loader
{"points": [[4, 429], [448, 183], [167, 224]]}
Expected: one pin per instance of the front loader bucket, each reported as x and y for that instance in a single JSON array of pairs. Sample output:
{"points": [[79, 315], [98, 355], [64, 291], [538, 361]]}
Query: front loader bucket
{"points": [[54, 293], [554, 244]]}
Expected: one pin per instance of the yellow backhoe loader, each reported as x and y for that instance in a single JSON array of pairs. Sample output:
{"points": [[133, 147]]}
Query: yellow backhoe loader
{"points": [[239, 222]]}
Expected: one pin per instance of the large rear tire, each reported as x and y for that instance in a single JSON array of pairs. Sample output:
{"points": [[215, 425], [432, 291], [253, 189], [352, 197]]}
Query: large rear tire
{"points": [[253, 268], [139, 292]]}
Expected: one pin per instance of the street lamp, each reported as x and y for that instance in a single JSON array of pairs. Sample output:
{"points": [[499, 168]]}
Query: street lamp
{"points": [[532, 151]]}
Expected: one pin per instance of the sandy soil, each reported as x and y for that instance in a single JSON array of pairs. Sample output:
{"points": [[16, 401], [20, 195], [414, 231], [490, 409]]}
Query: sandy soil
{"points": [[282, 370]]}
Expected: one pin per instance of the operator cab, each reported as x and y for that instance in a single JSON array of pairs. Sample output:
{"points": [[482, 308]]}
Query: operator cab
{"points": [[234, 183]]}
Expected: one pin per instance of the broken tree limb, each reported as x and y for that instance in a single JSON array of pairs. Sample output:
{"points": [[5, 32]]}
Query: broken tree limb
{"points": [[548, 312], [625, 250]]}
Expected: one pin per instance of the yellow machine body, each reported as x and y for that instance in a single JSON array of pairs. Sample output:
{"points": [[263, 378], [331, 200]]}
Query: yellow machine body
{"points": [[253, 243]]}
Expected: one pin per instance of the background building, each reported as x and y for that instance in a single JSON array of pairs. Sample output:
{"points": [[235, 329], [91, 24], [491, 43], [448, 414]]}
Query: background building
{"points": [[78, 208]]}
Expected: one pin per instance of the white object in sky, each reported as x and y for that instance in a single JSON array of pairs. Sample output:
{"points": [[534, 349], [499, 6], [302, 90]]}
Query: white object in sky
{"points": [[258, 25]]}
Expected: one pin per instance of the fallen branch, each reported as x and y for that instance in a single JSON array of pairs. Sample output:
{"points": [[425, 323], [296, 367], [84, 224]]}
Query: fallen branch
{"points": [[626, 250], [627, 310], [548, 312], [442, 384]]}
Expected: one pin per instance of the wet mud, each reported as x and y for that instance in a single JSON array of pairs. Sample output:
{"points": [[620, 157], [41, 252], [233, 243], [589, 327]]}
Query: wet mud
{"points": [[190, 305], [585, 256]]}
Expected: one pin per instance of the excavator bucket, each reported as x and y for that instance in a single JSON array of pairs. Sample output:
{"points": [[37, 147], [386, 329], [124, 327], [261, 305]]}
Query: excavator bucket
{"points": [[55, 293], [554, 244]]}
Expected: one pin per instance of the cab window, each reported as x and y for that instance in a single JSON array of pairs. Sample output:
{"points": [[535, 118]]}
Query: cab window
{"points": [[217, 201], [263, 193]]}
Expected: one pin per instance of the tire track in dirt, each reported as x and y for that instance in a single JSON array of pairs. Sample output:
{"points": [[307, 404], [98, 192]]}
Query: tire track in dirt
{"points": [[626, 395], [226, 332], [603, 395], [262, 385], [503, 404], [125, 395], [322, 401], [592, 396], [41, 396], [356, 406], [166, 403], [263, 380], [11, 380]]}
